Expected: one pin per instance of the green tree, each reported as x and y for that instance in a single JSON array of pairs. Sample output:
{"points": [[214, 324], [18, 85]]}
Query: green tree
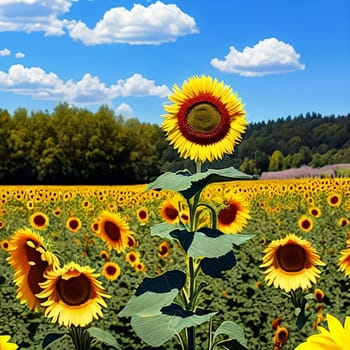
{"points": [[276, 161]]}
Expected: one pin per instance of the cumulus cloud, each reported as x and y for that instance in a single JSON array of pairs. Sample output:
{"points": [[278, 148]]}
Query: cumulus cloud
{"points": [[34, 16], [5, 52], [125, 110], [269, 56], [19, 55], [158, 23], [89, 90]]}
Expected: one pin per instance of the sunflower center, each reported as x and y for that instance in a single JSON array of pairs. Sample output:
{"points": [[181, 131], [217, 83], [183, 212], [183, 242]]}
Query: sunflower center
{"points": [[111, 270], [203, 117], [112, 231], [228, 215], [171, 213], [39, 220], [73, 224], [74, 291], [291, 258], [36, 276]]}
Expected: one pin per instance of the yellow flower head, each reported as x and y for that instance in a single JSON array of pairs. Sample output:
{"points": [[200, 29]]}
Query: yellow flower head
{"points": [[111, 270], [336, 337], [74, 295], [5, 345], [291, 263], [206, 119]]}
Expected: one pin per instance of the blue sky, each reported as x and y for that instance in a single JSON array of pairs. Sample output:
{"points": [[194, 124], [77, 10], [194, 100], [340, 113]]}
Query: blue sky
{"points": [[283, 57]]}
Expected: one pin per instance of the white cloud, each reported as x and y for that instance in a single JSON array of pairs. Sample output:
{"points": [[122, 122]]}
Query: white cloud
{"points": [[5, 52], [33, 15], [158, 23], [40, 85], [19, 55], [269, 56], [125, 110]]}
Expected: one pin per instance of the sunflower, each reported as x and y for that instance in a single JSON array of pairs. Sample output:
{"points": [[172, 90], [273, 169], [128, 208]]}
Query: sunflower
{"points": [[291, 263], [132, 258], [30, 260], [234, 216], [2, 224], [142, 215], [305, 223], [336, 337], [318, 295], [315, 212], [334, 200], [5, 244], [73, 224], [111, 270], [281, 336], [342, 222], [344, 260], [140, 267], [5, 345], [39, 220], [104, 255], [74, 295], [163, 249], [113, 230], [205, 121]]}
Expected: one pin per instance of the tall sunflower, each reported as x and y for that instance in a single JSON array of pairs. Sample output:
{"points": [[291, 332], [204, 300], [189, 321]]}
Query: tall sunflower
{"points": [[206, 119], [29, 260], [234, 216], [113, 230], [336, 337], [291, 263], [74, 295]]}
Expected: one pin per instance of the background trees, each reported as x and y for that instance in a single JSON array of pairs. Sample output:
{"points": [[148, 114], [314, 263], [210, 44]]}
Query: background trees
{"points": [[74, 145]]}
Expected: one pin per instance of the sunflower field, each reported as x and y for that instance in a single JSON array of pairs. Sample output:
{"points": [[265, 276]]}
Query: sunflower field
{"points": [[67, 219]]}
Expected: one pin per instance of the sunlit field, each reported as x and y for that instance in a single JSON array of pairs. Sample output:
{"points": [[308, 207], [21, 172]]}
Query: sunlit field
{"points": [[315, 209]]}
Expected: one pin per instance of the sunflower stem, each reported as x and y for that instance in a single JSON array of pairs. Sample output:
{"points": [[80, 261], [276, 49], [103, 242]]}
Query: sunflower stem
{"points": [[80, 338]]}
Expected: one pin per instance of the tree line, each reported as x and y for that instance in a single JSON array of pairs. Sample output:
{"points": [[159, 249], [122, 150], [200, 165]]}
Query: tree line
{"points": [[76, 146]]}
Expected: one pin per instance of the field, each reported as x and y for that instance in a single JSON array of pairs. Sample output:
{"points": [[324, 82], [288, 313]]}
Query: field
{"points": [[65, 217]]}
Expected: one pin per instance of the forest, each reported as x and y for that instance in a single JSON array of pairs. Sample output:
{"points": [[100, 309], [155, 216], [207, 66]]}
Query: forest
{"points": [[76, 146]]}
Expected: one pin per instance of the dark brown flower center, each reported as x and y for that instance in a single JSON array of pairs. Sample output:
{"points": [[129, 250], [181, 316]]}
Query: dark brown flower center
{"points": [[291, 258], [171, 213], [142, 214], [39, 220], [228, 215], [73, 224], [74, 291], [163, 249], [306, 224], [112, 231]]}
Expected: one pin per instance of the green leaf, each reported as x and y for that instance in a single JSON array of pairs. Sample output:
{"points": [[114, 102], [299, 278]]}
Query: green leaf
{"points": [[164, 229], [103, 337], [214, 267], [230, 345], [207, 242], [51, 338], [154, 293], [189, 184], [155, 330], [233, 331]]}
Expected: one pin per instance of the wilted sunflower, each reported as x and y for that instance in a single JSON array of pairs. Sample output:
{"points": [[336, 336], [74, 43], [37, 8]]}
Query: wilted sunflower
{"points": [[291, 263], [29, 260], [205, 121], [336, 337], [39, 220], [344, 260], [111, 270], [5, 345], [234, 216], [74, 295], [114, 230]]}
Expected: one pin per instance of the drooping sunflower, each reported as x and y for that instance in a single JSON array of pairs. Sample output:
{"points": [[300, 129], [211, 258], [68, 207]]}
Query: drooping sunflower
{"points": [[5, 345], [74, 295], [113, 230], [73, 224], [206, 119], [336, 337], [305, 223], [111, 270], [234, 216], [29, 260], [280, 338], [291, 263], [39, 220], [344, 260]]}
